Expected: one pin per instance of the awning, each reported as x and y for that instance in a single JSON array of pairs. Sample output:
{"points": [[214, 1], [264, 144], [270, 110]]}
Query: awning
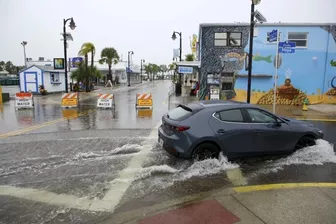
{"points": [[189, 63]]}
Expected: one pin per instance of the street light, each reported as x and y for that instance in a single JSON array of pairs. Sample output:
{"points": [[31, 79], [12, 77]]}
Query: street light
{"points": [[129, 68], [178, 87], [24, 43], [72, 27], [260, 18], [142, 61]]}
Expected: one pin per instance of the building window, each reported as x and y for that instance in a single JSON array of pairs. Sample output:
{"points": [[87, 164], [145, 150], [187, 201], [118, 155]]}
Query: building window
{"points": [[301, 39], [54, 77], [221, 39], [233, 39], [268, 39]]}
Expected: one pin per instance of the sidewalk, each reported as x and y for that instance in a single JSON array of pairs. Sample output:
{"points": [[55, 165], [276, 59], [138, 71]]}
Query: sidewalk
{"points": [[315, 112], [308, 203]]}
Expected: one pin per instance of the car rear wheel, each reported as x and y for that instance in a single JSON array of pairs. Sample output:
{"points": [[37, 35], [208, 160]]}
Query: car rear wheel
{"points": [[205, 151], [305, 141]]}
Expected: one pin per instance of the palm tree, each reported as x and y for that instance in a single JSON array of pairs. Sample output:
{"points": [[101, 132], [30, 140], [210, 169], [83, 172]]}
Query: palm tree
{"points": [[156, 69], [172, 67], [148, 69], [110, 56], [164, 69], [86, 49], [81, 73], [190, 57]]}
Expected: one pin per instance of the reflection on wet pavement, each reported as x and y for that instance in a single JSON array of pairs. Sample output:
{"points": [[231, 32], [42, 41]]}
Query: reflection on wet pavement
{"points": [[124, 116]]}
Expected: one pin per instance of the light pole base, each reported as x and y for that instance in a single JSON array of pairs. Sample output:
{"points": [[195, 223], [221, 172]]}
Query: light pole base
{"points": [[178, 89]]}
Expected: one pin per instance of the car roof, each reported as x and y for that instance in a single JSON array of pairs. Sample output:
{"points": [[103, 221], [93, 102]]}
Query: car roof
{"points": [[212, 104]]}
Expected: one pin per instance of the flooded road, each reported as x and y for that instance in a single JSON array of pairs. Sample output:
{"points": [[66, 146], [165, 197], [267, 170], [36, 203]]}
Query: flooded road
{"points": [[104, 162]]}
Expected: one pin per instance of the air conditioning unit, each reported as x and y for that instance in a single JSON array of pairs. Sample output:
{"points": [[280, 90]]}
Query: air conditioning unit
{"points": [[41, 58]]}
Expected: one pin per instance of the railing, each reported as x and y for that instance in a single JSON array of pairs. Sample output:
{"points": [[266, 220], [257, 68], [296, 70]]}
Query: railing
{"points": [[171, 89], [171, 92], [9, 82]]}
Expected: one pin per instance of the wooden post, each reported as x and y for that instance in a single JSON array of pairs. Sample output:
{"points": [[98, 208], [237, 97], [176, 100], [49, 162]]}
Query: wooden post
{"points": [[0, 94]]}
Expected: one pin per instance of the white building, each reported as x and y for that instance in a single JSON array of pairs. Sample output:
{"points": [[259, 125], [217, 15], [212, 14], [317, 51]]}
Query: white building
{"points": [[118, 70], [35, 75]]}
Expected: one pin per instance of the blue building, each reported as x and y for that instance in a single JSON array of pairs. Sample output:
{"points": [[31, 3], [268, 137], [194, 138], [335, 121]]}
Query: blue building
{"points": [[309, 73]]}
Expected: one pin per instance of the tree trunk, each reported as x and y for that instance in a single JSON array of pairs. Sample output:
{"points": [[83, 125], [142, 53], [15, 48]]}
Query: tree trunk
{"points": [[90, 75], [109, 77], [87, 85]]}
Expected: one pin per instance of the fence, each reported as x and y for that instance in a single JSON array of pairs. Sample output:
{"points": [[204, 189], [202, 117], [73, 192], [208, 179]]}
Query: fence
{"points": [[171, 92], [9, 82]]}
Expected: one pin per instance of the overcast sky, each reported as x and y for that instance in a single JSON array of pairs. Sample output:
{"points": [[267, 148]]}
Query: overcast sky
{"points": [[144, 26]]}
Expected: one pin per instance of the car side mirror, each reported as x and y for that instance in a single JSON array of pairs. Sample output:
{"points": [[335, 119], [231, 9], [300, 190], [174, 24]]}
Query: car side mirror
{"points": [[277, 123]]}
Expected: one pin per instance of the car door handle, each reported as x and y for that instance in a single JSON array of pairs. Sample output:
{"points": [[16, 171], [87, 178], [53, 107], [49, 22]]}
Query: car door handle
{"points": [[221, 131]]}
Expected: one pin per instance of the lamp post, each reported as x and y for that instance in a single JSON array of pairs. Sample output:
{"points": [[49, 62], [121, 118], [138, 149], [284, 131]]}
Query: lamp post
{"points": [[72, 27], [24, 43], [142, 61], [252, 24], [129, 68], [178, 88]]}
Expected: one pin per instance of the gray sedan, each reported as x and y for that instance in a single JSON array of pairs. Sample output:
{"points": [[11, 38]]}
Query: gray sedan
{"points": [[203, 129]]}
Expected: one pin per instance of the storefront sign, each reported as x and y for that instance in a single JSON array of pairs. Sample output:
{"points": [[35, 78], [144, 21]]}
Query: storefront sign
{"points": [[185, 70], [75, 62], [58, 63]]}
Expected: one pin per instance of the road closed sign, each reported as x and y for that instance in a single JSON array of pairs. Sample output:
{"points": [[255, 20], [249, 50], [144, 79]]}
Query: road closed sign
{"points": [[69, 100], [105, 100], [24, 100], [144, 100]]}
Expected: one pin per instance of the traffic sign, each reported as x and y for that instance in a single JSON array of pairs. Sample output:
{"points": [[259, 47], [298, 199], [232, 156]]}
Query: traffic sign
{"points": [[273, 36], [128, 70], [75, 62], [287, 47], [185, 70]]}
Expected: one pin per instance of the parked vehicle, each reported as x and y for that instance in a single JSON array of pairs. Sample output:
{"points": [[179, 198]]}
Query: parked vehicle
{"points": [[203, 129]]}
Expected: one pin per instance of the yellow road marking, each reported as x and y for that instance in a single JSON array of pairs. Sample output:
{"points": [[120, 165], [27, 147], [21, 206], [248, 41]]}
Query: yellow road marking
{"points": [[316, 119], [38, 126], [267, 187]]}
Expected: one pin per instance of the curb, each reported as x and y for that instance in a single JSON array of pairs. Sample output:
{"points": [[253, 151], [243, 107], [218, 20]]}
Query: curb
{"points": [[133, 215]]}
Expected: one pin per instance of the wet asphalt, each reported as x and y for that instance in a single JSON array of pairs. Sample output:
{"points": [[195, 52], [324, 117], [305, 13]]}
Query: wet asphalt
{"points": [[99, 152]]}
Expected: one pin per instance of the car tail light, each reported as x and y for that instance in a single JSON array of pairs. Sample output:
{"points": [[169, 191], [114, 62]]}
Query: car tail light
{"points": [[181, 128]]}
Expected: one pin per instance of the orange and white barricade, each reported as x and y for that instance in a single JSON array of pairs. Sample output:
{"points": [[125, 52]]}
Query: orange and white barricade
{"points": [[105, 100], [24, 100], [145, 113], [70, 100], [144, 100]]}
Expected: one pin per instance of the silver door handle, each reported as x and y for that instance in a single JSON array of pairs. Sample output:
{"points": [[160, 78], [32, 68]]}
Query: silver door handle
{"points": [[221, 131]]}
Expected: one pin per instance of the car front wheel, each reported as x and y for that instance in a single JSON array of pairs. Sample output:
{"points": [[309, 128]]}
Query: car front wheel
{"points": [[205, 151], [305, 141]]}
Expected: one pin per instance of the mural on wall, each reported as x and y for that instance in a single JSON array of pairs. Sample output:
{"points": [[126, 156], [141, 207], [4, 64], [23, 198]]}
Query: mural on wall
{"points": [[217, 59], [231, 62], [332, 82], [292, 89], [286, 94], [258, 57]]}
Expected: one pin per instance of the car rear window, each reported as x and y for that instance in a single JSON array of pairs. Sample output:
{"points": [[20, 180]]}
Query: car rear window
{"points": [[179, 113]]}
